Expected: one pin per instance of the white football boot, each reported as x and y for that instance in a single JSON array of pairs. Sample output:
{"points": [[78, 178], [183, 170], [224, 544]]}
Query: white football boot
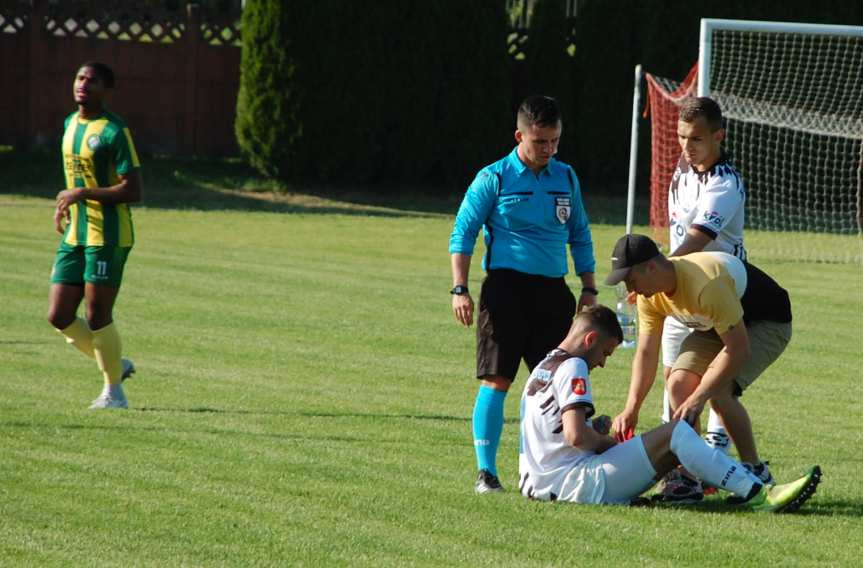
{"points": [[105, 400]]}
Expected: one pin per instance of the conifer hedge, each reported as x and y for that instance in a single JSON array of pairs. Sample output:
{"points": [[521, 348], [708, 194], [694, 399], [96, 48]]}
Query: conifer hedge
{"points": [[268, 125], [424, 92], [390, 92], [548, 67]]}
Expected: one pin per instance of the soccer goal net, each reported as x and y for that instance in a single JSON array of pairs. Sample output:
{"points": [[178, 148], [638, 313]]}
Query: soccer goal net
{"points": [[792, 95]]}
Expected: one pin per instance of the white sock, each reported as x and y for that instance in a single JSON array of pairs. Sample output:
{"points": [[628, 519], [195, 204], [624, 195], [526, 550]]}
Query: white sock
{"points": [[710, 464], [666, 408], [717, 436]]}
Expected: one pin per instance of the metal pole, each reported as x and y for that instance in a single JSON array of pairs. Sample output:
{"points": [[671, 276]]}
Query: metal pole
{"points": [[633, 150], [705, 53]]}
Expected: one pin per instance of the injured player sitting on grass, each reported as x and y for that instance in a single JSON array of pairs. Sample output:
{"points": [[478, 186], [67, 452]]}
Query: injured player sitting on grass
{"points": [[566, 456]]}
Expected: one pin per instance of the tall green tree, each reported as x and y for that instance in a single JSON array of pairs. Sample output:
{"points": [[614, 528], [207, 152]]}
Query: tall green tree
{"points": [[403, 92], [474, 121], [548, 67], [268, 124]]}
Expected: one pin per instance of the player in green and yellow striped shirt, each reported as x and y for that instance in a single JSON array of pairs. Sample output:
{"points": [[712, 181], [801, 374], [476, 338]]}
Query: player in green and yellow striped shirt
{"points": [[102, 178]]}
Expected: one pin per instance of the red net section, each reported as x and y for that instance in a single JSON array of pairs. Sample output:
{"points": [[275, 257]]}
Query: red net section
{"points": [[663, 99]]}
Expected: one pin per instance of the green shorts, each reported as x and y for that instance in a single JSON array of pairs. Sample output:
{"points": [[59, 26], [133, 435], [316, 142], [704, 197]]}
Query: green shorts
{"points": [[767, 341], [96, 265]]}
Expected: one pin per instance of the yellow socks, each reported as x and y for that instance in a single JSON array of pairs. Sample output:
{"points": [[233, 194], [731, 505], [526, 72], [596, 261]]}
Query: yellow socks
{"points": [[79, 335], [107, 349]]}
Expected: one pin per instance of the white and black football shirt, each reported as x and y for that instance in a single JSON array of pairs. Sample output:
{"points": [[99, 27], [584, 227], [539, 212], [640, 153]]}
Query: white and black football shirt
{"points": [[710, 201], [559, 382]]}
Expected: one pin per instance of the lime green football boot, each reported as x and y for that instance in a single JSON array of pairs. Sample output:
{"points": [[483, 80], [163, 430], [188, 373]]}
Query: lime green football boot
{"points": [[787, 497]]}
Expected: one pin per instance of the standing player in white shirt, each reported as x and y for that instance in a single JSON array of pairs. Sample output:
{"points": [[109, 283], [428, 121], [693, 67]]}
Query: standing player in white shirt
{"points": [[705, 208], [565, 457]]}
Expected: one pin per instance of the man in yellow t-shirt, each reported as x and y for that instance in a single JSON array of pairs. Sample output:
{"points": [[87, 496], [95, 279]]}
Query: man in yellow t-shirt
{"points": [[741, 321], [102, 178]]}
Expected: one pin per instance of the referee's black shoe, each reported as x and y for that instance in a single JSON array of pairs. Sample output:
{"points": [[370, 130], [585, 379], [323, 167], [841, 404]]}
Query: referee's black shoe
{"points": [[486, 482]]}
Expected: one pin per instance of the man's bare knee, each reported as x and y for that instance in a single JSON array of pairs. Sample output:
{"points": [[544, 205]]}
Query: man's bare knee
{"points": [[657, 444], [681, 377], [681, 383], [98, 317], [59, 319], [63, 304]]}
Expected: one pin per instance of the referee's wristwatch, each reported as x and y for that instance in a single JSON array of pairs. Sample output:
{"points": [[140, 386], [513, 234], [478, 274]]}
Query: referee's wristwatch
{"points": [[459, 290]]}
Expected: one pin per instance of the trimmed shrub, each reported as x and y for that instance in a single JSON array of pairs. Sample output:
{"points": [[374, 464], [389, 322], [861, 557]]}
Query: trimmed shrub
{"points": [[268, 125], [409, 92], [394, 92], [548, 67]]}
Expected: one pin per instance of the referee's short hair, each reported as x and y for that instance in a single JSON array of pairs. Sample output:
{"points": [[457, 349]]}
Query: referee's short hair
{"points": [[603, 319], [538, 110], [105, 74], [693, 107]]}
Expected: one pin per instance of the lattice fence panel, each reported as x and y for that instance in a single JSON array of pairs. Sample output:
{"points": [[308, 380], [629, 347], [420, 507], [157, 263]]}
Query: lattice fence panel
{"points": [[14, 16], [221, 32], [149, 22]]}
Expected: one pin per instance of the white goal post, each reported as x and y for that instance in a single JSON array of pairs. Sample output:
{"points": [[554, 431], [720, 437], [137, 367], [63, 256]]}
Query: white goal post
{"points": [[792, 95]]}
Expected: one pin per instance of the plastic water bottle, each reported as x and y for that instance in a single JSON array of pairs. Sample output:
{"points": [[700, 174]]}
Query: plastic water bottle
{"points": [[627, 315]]}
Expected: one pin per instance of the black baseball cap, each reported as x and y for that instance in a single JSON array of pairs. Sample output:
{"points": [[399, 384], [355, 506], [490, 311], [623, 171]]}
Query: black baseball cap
{"points": [[629, 251]]}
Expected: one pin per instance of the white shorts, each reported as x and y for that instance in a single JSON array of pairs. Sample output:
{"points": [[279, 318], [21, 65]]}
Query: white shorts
{"points": [[615, 476], [673, 334]]}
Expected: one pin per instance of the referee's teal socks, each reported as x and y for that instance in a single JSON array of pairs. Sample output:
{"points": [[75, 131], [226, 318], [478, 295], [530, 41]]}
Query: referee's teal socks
{"points": [[487, 427]]}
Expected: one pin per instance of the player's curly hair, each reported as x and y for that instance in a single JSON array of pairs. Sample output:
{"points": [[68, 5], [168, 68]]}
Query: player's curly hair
{"points": [[693, 107], [539, 110], [105, 74], [603, 319]]}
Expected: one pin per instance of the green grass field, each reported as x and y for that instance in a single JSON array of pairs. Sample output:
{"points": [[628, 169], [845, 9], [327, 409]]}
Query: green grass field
{"points": [[303, 397]]}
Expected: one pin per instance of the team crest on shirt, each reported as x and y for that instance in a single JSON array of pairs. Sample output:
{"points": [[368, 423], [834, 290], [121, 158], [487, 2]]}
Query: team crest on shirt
{"points": [[562, 209], [93, 141], [713, 217], [542, 374], [579, 386]]}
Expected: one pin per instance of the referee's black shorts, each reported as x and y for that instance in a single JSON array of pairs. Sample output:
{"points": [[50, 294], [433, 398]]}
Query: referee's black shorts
{"points": [[521, 316]]}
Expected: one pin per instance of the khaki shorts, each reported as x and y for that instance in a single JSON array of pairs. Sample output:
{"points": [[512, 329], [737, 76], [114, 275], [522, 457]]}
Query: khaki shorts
{"points": [[767, 341]]}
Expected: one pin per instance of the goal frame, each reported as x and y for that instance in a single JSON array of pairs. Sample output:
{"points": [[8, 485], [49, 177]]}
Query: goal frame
{"points": [[709, 25], [705, 58]]}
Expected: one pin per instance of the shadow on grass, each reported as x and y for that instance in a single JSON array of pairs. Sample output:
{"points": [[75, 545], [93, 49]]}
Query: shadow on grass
{"points": [[362, 415], [371, 416], [229, 184], [833, 508], [814, 507], [113, 427], [199, 410], [226, 184]]}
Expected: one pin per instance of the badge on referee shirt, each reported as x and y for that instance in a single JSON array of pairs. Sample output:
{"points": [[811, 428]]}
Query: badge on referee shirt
{"points": [[562, 209]]}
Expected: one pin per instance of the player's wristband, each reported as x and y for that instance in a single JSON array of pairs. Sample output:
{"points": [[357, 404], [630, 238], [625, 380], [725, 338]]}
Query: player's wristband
{"points": [[589, 290]]}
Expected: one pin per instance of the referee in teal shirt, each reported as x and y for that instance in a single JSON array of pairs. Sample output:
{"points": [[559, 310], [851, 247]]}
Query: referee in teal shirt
{"points": [[529, 207]]}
